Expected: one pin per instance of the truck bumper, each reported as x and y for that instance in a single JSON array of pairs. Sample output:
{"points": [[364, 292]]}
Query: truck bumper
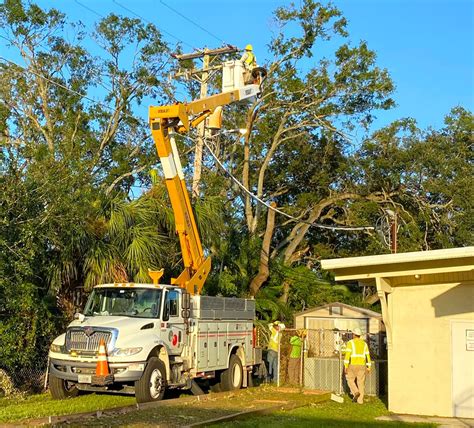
{"points": [[84, 372]]}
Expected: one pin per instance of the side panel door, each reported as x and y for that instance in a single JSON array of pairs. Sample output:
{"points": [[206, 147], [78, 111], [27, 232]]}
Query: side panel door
{"points": [[202, 349], [212, 342]]}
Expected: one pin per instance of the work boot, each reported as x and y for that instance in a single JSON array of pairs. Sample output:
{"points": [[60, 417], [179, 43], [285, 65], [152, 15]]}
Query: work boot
{"points": [[356, 396]]}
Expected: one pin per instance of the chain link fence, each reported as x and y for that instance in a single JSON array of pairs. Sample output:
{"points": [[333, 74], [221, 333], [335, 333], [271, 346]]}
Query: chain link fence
{"points": [[28, 380], [319, 364]]}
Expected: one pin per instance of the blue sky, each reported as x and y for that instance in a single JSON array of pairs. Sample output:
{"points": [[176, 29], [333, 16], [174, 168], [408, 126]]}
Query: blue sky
{"points": [[427, 45]]}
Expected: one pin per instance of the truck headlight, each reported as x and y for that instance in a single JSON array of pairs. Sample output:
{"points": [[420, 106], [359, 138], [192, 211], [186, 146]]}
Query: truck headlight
{"points": [[125, 352], [56, 348]]}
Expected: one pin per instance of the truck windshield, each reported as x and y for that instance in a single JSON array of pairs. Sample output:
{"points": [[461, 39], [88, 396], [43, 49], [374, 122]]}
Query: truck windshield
{"points": [[130, 302]]}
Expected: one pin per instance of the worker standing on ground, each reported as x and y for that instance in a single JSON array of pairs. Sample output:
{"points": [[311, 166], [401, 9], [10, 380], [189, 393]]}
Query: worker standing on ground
{"points": [[356, 364], [294, 365], [250, 62], [273, 348]]}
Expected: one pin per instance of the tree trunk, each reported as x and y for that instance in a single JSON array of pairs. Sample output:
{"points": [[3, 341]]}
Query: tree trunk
{"points": [[263, 270]]}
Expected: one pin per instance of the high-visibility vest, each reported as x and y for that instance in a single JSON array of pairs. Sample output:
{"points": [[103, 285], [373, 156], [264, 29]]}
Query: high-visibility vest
{"points": [[250, 59], [357, 353], [295, 343], [274, 339]]}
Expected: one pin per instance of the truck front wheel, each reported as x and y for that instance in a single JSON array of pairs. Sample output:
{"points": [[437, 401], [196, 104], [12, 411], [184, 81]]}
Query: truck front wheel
{"points": [[232, 377], [151, 386], [61, 389]]}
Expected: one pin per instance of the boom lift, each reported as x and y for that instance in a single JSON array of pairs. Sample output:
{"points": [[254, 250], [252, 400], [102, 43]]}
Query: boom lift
{"points": [[179, 118], [159, 336]]}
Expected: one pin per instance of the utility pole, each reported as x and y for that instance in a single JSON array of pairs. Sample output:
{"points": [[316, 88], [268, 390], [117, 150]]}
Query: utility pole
{"points": [[393, 231], [202, 76], [394, 234]]}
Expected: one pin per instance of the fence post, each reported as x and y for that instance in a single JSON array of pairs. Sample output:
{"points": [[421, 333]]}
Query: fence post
{"points": [[278, 362], [301, 371], [340, 369], [46, 375]]}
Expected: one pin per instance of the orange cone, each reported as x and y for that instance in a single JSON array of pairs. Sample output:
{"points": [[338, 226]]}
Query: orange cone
{"points": [[102, 368]]}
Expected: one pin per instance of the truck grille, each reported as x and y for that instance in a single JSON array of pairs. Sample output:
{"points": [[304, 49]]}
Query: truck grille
{"points": [[78, 339]]}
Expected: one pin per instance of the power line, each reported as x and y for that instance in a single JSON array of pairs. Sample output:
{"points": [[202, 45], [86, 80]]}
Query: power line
{"points": [[233, 178], [89, 9], [321, 226], [24, 70], [147, 20], [193, 22]]}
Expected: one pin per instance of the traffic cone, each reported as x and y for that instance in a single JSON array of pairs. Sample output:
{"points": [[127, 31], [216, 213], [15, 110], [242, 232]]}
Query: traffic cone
{"points": [[102, 368]]}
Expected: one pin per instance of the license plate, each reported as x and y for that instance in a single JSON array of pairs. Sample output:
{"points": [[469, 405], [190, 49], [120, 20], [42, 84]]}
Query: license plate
{"points": [[84, 378]]}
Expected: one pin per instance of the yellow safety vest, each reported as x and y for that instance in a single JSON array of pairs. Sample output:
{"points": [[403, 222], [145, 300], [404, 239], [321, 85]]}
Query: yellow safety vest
{"points": [[274, 339], [250, 60], [357, 352]]}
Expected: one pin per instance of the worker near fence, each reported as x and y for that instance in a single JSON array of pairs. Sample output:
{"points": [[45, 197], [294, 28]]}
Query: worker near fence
{"points": [[357, 363], [273, 348], [294, 364]]}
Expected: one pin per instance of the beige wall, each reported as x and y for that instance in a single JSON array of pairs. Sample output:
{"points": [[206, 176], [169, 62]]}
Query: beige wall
{"points": [[420, 361]]}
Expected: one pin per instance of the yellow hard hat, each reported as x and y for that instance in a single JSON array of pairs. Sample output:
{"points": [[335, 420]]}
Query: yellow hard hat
{"points": [[249, 48]]}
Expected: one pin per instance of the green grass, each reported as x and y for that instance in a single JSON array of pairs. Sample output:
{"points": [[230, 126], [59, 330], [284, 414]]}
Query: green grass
{"points": [[313, 414], [328, 414], [37, 406]]}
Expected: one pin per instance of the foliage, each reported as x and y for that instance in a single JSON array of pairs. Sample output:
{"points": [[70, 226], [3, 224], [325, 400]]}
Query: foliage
{"points": [[69, 166], [75, 160]]}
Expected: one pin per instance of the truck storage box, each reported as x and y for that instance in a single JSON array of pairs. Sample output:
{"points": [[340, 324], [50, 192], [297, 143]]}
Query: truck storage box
{"points": [[222, 308]]}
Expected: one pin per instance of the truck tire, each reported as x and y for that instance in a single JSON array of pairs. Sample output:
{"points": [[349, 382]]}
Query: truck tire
{"points": [[232, 377], [152, 385], [61, 389]]}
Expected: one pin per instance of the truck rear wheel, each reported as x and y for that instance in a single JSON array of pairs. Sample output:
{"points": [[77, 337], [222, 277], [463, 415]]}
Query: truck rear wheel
{"points": [[232, 377], [152, 385], [61, 389]]}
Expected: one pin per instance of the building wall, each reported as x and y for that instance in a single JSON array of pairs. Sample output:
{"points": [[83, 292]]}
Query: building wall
{"points": [[325, 319], [420, 361]]}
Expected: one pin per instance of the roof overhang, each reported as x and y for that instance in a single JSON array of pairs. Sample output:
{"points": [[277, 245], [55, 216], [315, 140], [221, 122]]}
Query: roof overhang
{"points": [[401, 264]]}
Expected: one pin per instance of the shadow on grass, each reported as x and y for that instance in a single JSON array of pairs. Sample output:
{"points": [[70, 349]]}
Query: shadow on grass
{"points": [[291, 421]]}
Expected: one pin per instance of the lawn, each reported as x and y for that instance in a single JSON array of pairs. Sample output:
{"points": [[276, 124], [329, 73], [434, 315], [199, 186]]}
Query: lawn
{"points": [[314, 413], [328, 414], [41, 405]]}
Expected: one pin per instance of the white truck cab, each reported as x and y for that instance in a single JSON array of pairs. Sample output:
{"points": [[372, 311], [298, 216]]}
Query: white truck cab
{"points": [[156, 337]]}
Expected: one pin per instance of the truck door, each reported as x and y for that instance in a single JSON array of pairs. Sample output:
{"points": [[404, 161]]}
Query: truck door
{"points": [[173, 323]]}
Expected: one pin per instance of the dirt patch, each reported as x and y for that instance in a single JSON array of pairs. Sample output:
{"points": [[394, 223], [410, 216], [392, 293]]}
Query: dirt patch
{"points": [[189, 411]]}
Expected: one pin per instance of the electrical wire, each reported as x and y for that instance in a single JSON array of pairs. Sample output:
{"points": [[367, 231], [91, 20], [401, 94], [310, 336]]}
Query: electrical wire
{"points": [[255, 197], [147, 20], [233, 178], [193, 22], [89, 9], [24, 70]]}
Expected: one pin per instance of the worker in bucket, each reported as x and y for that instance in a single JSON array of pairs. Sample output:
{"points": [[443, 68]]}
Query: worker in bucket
{"points": [[357, 363], [250, 62], [273, 349]]}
